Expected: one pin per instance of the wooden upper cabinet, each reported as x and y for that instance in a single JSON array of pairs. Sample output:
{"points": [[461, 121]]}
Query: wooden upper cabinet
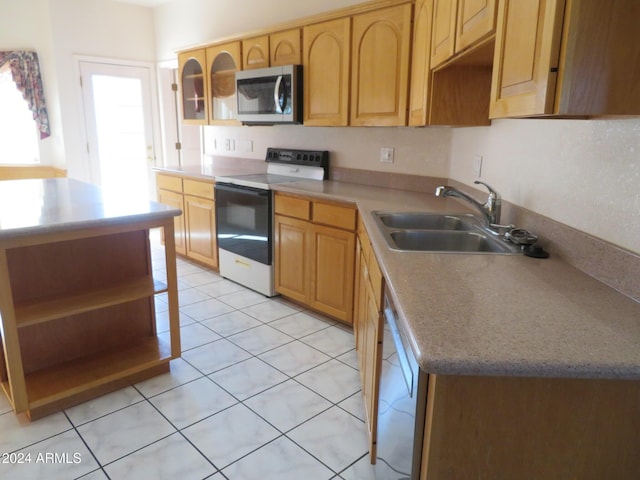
{"points": [[326, 62], [557, 59], [444, 31], [255, 52], [476, 19], [380, 66], [526, 57], [459, 25], [420, 66], [286, 47], [194, 86], [222, 63]]}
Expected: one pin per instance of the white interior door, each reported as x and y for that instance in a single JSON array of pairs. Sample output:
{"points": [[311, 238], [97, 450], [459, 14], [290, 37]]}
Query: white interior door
{"points": [[119, 126]]}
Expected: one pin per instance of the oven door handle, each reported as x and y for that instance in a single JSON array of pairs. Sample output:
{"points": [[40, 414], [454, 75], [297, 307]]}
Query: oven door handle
{"points": [[229, 187]]}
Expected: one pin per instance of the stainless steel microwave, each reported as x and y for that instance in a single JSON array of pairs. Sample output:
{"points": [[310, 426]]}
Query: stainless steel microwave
{"points": [[270, 95]]}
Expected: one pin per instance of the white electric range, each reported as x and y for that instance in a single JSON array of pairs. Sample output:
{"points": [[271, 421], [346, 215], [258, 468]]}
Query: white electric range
{"points": [[244, 215]]}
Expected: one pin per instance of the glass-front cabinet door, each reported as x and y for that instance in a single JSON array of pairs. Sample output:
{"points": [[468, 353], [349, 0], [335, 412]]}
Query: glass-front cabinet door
{"points": [[194, 87], [222, 63]]}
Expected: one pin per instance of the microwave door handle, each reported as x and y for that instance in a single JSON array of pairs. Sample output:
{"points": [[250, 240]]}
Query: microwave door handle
{"points": [[276, 95]]}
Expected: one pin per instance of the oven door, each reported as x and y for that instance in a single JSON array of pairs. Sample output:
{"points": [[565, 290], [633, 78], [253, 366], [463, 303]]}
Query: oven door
{"points": [[243, 221]]}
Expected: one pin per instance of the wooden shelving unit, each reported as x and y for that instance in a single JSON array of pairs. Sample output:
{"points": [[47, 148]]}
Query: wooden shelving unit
{"points": [[78, 315]]}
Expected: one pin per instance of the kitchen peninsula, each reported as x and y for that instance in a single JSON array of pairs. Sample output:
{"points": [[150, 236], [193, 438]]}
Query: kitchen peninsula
{"points": [[77, 292]]}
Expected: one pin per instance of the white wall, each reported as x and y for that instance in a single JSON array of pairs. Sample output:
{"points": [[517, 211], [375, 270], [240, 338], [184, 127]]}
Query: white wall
{"points": [[584, 173], [96, 28]]}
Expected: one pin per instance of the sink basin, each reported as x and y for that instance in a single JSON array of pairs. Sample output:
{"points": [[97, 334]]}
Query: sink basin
{"points": [[426, 221], [431, 232], [447, 241]]}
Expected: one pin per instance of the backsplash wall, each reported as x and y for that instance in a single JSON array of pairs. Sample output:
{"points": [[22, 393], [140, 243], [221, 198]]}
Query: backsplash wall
{"points": [[419, 151], [582, 173]]}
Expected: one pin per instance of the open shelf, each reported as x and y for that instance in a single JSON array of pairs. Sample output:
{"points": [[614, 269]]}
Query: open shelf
{"points": [[78, 316], [72, 380], [48, 309]]}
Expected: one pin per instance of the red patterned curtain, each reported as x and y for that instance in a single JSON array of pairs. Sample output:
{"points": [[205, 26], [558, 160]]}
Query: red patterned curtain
{"points": [[25, 70]]}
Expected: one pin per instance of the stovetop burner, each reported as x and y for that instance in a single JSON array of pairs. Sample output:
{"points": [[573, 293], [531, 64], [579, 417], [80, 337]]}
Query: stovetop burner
{"points": [[285, 166]]}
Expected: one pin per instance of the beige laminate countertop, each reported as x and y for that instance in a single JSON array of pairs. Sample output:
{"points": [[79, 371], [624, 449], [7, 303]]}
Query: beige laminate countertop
{"points": [[43, 206], [484, 314]]}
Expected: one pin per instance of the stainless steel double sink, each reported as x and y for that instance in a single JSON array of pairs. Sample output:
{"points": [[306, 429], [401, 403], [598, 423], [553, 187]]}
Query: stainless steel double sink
{"points": [[442, 233]]}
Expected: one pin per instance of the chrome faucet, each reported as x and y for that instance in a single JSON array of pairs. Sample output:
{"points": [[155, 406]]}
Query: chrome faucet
{"points": [[490, 209]]}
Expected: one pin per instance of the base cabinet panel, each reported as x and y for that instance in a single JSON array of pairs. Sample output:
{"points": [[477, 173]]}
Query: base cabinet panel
{"points": [[314, 262], [292, 240], [510, 427], [195, 230], [333, 268], [175, 200], [201, 230], [368, 326]]}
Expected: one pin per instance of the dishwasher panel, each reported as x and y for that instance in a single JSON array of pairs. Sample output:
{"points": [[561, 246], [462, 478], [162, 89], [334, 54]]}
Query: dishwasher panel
{"points": [[402, 405]]}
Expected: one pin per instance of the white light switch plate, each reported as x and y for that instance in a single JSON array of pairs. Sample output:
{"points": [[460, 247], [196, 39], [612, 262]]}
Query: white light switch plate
{"points": [[386, 155]]}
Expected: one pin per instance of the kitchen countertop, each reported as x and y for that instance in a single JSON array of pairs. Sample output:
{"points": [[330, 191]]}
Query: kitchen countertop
{"points": [[58, 204], [485, 314]]}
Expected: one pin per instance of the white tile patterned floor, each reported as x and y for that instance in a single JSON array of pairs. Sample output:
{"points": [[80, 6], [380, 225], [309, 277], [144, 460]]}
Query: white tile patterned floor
{"points": [[264, 390]]}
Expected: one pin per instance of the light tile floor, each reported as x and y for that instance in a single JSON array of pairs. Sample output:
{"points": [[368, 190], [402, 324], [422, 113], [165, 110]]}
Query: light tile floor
{"points": [[264, 390]]}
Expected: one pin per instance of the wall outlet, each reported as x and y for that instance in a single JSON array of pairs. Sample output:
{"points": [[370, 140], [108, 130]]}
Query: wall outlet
{"points": [[386, 155], [477, 166]]}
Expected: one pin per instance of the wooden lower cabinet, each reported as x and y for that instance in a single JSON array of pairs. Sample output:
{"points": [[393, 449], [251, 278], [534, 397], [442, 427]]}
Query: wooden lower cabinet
{"points": [[195, 229], [314, 262], [292, 246], [546, 428], [175, 200], [332, 271], [368, 326], [200, 216]]}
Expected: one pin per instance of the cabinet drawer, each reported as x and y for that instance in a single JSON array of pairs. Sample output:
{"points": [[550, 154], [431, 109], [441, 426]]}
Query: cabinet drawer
{"points": [[293, 207], [334, 215], [167, 182], [198, 189]]}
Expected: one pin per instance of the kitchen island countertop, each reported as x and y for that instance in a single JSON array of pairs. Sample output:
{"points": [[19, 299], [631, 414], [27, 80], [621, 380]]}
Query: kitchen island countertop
{"points": [[37, 206]]}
